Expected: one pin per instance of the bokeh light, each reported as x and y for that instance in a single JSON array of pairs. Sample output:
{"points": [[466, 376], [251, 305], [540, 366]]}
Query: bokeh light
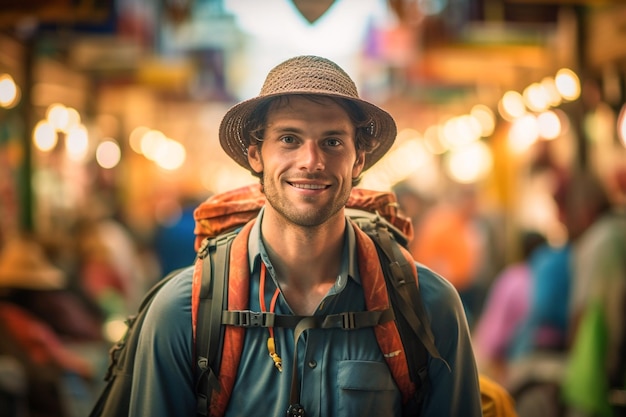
{"points": [[9, 92], [108, 154], [44, 136], [567, 84], [77, 143], [469, 164], [511, 106]]}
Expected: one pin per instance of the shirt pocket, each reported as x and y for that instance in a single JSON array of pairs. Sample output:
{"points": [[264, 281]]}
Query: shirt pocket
{"points": [[367, 388]]}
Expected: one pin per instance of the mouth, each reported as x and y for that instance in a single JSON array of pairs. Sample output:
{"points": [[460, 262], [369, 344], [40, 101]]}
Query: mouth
{"points": [[308, 186]]}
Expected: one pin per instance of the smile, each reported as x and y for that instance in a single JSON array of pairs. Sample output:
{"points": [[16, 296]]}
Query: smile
{"points": [[309, 186]]}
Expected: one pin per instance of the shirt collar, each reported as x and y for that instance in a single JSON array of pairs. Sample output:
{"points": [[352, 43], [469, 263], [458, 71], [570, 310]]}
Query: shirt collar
{"points": [[349, 266]]}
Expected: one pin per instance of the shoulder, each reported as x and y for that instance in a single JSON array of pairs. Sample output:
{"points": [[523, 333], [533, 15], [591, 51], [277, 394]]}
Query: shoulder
{"points": [[606, 233], [162, 383], [438, 293], [457, 371], [167, 331], [177, 287], [549, 260], [172, 303], [442, 303]]}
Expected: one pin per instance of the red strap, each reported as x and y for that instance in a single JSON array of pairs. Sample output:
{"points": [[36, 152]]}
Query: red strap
{"points": [[238, 299], [196, 286], [376, 298]]}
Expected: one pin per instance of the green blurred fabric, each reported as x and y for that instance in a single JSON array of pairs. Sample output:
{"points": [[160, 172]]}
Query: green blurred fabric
{"points": [[585, 386]]}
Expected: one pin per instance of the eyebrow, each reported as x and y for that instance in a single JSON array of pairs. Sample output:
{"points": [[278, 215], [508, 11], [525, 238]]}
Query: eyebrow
{"points": [[338, 132]]}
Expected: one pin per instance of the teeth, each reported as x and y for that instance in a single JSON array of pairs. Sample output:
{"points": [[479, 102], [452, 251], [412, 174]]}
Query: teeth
{"points": [[310, 186]]}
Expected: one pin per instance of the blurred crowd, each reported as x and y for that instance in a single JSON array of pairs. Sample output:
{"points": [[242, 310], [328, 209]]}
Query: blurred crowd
{"points": [[548, 323], [552, 326], [64, 300]]}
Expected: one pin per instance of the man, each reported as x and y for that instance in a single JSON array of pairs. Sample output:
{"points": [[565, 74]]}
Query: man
{"points": [[308, 137]]}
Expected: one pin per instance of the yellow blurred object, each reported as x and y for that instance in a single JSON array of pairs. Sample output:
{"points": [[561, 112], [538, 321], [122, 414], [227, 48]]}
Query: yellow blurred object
{"points": [[23, 264], [496, 401]]}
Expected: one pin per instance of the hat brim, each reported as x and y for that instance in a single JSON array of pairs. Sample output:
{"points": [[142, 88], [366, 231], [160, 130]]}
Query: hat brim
{"points": [[232, 138], [24, 265]]}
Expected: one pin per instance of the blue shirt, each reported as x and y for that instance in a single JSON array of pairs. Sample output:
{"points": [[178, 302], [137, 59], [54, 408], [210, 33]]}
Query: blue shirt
{"points": [[546, 324], [341, 373]]}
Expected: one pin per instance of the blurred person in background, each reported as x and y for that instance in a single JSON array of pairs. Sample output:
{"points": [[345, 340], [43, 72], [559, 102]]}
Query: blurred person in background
{"points": [[541, 348], [39, 319], [109, 267], [449, 239], [545, 327], [505, 310], [174, 236], [595, 379], [68, 314]]}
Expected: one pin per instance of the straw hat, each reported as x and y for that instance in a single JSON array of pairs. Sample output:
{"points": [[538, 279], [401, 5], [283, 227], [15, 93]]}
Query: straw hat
{"points": [[305, 75], [23, 265]]}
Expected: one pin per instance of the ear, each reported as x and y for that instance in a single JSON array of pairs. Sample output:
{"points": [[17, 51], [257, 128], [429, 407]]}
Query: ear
{"points": [[254, 158], [358, 164]]}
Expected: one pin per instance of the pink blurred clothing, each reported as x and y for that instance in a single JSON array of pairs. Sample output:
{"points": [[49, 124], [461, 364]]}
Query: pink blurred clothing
{"points": [[505, 310]]}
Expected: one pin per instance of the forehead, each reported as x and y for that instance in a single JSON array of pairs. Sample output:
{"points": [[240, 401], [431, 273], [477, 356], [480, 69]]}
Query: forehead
{"points": [[297, 102], [315, 110], [317, 115]]}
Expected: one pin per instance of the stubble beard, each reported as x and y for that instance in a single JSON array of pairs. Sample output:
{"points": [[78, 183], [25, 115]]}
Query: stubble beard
{"points": [[303, 218]]}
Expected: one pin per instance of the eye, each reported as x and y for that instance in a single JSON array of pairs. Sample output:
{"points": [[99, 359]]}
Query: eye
{"points": [[287, 139], [333, 142]]}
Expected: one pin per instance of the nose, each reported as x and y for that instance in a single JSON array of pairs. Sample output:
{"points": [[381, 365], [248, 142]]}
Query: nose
{"points": [[311, 157]]}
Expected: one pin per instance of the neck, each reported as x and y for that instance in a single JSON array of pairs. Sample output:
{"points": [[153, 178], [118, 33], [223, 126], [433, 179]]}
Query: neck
{"points": [[301, 248], [307, 260]]}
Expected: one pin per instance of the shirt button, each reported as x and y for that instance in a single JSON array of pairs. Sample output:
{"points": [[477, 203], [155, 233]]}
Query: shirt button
{"points": [[312, 364]]}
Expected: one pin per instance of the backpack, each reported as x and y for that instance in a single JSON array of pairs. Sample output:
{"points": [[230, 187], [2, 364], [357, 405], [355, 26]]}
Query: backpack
{"points": [[376, 214], [218, 221]]}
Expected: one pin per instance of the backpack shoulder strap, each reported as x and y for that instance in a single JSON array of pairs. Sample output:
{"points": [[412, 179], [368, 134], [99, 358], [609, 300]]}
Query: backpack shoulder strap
{"points": [[221, 279], [404, 288], [207, 299], [412, 321]]}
